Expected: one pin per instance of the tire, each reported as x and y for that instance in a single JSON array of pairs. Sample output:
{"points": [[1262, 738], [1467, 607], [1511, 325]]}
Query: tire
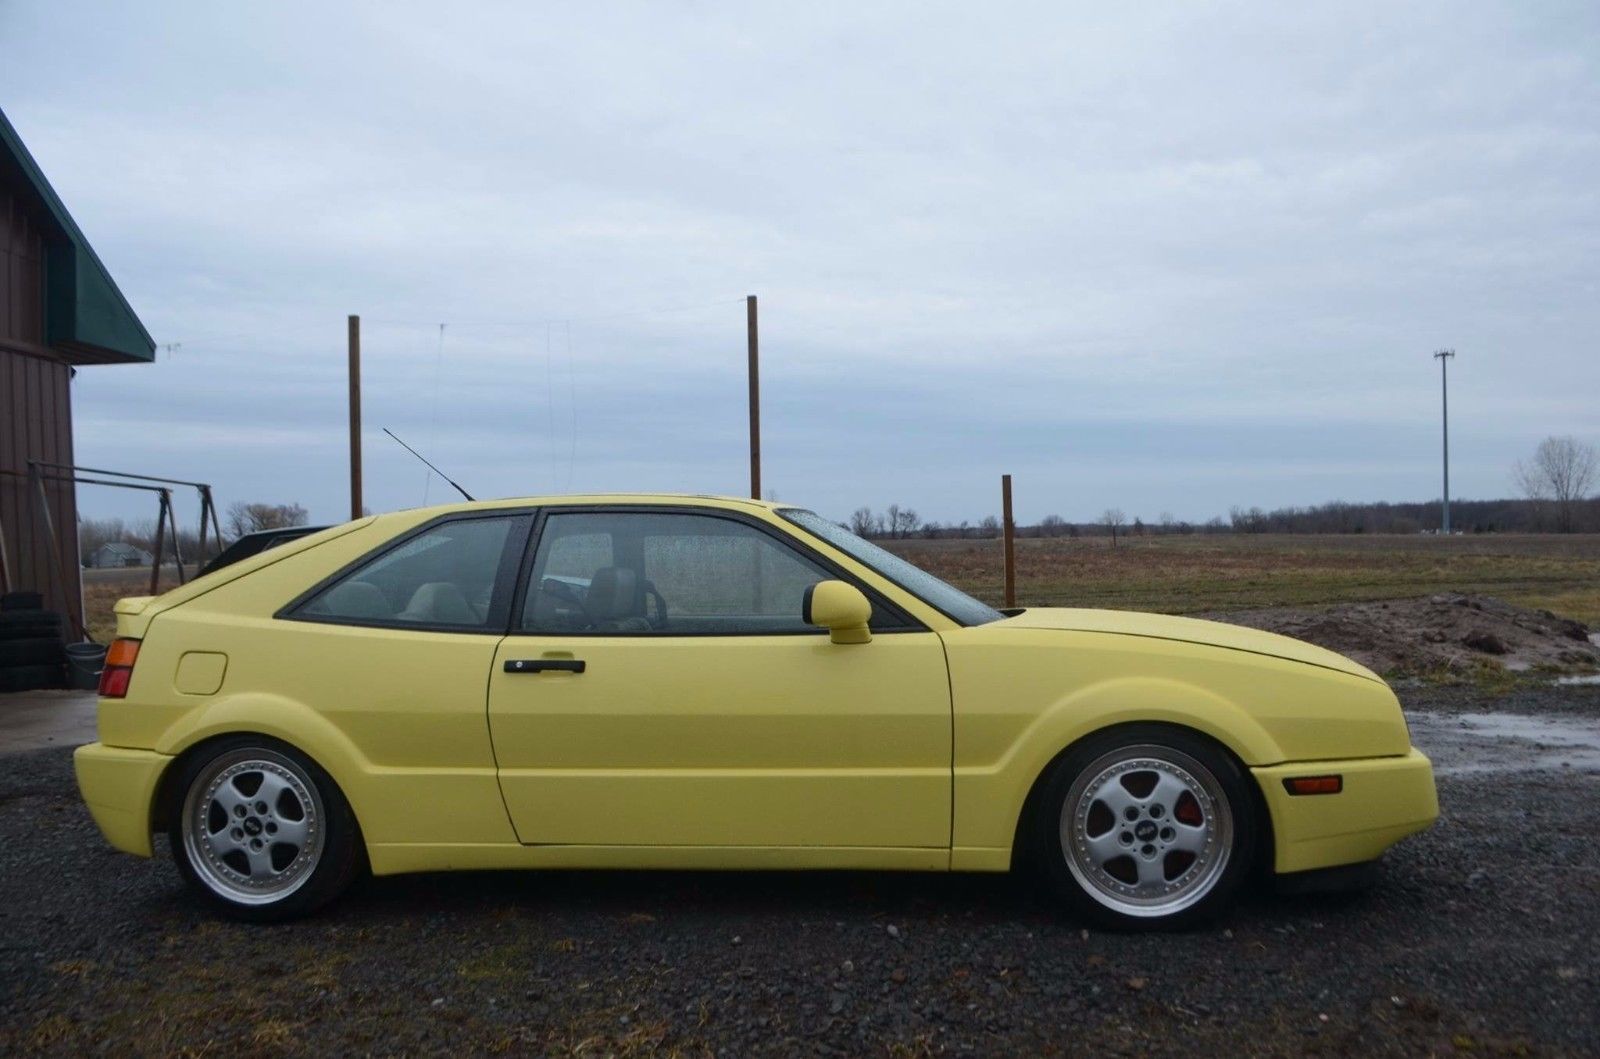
{"points": [[1146, 827], [31, 651], [28, 624], [22, 601], [262, 859], [32, 678]]}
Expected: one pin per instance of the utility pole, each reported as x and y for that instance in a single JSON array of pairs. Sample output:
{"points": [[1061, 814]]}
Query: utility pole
{"points": [[1443, 357], [755, 397], [1010, 533], [355, 417]]}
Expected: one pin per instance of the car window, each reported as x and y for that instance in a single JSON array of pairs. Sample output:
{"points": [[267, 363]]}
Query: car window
{"points": [[948, 599], [644, 573], [444, 577]]}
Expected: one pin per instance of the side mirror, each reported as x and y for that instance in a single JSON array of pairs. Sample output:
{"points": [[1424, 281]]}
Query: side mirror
{"points": [[840, 608]]}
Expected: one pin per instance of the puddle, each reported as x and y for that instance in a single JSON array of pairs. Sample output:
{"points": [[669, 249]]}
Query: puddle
{"points": [[1465, 743], [1590, 678]]}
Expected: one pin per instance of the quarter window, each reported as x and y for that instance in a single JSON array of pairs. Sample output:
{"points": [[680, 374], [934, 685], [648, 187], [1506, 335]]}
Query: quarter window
{"points": [[444, 577], [644, 573]]}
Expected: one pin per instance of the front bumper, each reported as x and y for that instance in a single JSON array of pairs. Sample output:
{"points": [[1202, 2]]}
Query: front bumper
{"points": [[119, 786], [1384, 800]]}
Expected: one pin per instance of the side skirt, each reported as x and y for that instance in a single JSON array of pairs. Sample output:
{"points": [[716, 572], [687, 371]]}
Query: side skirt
{"points": [[398, 858]]}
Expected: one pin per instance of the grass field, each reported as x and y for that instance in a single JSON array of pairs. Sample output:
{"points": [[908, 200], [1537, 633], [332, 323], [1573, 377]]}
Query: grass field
{"points": [[1187, 575]]}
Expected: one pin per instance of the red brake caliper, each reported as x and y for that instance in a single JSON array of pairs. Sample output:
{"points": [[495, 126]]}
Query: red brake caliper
{"points": [[1188, 811]]}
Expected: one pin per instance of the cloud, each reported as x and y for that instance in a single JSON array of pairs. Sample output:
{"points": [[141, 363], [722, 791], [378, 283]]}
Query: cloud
{"points": [[1158, 258]]}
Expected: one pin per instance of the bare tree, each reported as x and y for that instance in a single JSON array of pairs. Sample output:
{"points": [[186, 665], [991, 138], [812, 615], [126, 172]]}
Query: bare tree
{"points": [[1561, 472], [250, 518], [901, 521], [989, 527], [1052, 525], [863, 522], [1113, 520]]}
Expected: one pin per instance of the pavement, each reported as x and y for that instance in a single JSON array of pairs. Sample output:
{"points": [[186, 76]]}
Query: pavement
{"points": [[35, 720]]}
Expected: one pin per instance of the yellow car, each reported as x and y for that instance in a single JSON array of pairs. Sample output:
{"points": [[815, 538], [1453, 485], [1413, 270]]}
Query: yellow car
{"points": [[702, 682]]}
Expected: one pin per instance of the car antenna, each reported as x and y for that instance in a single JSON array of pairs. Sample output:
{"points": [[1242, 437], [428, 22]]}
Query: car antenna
{"points": [[430, 466]]}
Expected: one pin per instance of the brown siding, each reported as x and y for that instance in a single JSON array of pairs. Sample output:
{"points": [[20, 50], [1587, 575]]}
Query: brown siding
{"points": [[35, 420], [21, 273]]}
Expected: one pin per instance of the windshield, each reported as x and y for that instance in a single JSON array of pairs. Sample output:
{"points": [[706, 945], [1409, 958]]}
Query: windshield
{"points": [[950, 601]]}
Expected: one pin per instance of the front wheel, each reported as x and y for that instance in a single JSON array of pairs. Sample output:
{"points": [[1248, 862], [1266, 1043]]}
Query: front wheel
{"points": [[261, 831], [1147, 828]]}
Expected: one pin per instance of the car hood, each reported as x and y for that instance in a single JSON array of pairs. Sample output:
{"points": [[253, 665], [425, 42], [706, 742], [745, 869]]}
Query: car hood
{"points": [[1186, 630]]}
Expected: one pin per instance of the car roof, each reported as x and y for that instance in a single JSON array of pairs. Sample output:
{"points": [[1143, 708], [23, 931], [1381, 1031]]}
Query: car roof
{"points": [[578, 499]]}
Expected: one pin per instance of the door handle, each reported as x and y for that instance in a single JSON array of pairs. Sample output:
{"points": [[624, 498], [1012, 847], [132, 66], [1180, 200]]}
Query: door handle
{"points": [[540, 665]]}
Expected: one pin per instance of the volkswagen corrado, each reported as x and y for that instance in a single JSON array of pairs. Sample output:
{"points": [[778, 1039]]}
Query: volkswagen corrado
{"points": [[701, 682]]}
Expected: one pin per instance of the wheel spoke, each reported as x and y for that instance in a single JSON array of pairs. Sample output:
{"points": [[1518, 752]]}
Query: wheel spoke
{"points": [[260, 863], [224, 842], [1168, 790], [1190, 839], [272, 785], [1105, 848], [1115, 797], [1151, 873], [292, 833], [229, 797]]}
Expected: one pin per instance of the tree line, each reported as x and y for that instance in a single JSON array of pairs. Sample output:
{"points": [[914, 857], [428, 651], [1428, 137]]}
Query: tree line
{"points": [[1556, 484], [241, 518]]}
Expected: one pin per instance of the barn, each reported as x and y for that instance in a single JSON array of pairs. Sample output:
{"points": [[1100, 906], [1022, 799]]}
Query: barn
{"points": [[60, 311]]}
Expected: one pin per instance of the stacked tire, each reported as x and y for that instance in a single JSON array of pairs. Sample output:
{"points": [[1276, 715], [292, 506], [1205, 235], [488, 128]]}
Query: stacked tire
{"points": [[32, 644]]}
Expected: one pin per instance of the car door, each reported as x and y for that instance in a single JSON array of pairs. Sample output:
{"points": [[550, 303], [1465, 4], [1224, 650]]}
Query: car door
{"points": [[392, 652], [658, 688]]}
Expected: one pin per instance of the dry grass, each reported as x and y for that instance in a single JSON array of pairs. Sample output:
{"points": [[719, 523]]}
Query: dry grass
{"points": [[1185, 575]]}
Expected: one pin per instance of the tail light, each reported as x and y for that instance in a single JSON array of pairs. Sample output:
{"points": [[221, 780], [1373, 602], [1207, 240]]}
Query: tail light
{"points": [[118, 670]]}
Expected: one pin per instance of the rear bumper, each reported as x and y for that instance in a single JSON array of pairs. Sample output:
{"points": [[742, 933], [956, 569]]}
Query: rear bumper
{"points": [[119, 786], [1383, 800]]}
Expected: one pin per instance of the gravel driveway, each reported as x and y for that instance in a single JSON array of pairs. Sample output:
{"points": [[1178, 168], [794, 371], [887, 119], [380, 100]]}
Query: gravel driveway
{"points": [[1481, 937]]}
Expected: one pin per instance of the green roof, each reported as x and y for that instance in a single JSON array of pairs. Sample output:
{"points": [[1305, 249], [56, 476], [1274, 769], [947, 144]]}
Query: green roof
{"points": [[86, 317]]}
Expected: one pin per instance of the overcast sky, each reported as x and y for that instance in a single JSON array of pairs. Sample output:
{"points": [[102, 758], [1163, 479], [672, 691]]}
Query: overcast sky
{"points": [[1164, 257]]}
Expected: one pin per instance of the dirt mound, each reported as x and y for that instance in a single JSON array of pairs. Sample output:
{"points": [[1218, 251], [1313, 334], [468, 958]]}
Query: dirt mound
{"points": [[1433, 633]]}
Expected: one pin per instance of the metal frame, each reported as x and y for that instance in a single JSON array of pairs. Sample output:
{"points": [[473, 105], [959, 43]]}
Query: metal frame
{"points": [[41, 471]]}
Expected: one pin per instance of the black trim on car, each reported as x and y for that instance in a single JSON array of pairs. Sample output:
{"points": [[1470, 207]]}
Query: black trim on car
{"points": [[880, 603], [500, 610]]}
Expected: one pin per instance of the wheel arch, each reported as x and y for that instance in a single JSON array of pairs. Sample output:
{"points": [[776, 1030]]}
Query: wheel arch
{"points": [[274, 718], [1026, 825], [166, 795]]}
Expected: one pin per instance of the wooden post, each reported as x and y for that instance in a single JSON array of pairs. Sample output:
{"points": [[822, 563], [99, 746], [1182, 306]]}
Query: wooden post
{"points": [[755, 397], [1010, 531], [177, 548], [355, 417], [160, 545]]}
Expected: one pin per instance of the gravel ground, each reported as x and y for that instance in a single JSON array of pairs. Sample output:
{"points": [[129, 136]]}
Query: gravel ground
{"points": [[1480, 937]]}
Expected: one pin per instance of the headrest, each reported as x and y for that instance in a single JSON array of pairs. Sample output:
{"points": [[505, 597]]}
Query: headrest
{"points": [[613, 594]]}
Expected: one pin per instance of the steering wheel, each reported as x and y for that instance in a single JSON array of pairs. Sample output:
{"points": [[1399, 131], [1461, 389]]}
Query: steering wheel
{"points": [[658, 622]]}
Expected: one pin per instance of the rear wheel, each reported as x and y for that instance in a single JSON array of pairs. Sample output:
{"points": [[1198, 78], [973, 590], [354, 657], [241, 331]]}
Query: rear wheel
{"points": [[261, 831], [1147, 828]]}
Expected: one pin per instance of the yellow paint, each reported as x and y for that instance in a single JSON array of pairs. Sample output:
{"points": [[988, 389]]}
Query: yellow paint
{"points": [[726, 740], [119, 788], [200, 673], [915, 750], [1383, 801]]}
